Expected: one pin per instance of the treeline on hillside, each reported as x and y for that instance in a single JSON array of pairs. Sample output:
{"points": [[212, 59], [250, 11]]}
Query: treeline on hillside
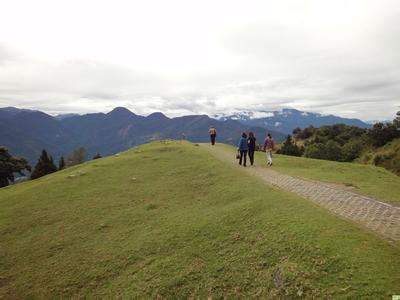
{"points": [[45, 164], [347, 143]]}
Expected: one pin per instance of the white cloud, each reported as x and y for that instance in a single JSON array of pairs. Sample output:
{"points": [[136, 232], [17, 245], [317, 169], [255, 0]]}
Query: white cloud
{"points": [[262, 114], [213, 57]]}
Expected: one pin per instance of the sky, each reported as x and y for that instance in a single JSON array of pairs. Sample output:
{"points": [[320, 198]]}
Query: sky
{"points": [[185, 57]]}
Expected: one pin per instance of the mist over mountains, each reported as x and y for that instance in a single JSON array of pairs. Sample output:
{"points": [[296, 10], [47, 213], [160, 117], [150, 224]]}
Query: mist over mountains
{"points": [[26, 132]]}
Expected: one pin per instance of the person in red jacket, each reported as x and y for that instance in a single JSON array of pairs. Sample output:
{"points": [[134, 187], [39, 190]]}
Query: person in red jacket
{"points": [[268, 147]]}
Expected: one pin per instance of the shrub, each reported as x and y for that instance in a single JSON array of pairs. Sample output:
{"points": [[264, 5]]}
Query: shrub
{"points": [[330, 150], [97, 156], [290, 148], [316, 150], [78, 156], [351, 151], [333, 151], [378, 159]]}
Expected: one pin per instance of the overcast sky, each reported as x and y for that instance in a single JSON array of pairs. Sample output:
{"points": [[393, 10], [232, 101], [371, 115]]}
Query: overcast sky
{"points": [[189, 57]]}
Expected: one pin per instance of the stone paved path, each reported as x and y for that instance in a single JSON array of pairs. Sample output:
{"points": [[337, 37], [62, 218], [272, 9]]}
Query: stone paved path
{"points": [[379, 217]]}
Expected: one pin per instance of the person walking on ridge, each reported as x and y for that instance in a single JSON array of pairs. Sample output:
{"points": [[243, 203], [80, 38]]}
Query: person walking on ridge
{"points": [[268, 147], [213, 134], [242, 148], [251, 143]]}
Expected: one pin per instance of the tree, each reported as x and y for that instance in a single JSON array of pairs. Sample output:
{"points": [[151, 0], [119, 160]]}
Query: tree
{"points": [[380, 134], [396, 121], [44, 166], [77, 157], [290, 148], [351, 150], [52, 163], [10, 165], [97, 156], [61, 163], [296, 132], [305, 133]]}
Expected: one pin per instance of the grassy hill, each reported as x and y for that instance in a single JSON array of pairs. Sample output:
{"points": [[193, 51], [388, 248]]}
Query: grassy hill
{"points": [[168, 220]]}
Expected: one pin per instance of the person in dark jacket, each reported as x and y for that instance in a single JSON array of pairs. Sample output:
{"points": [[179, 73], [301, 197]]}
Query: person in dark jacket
{"points": [[213, 134], [251, 142], [242, 148]]}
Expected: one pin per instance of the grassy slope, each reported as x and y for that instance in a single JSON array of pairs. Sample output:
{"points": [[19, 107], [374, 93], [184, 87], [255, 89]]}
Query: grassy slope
{"points": [[187, 225], [366, 179], [387, 156]]}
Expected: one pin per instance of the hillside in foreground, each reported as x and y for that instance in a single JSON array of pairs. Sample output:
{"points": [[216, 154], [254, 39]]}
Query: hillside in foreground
{"points": [[166, 219]]}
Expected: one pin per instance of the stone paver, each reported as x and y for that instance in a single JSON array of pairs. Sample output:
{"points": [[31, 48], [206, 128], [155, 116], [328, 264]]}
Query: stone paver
{"points": [[377, 216]]}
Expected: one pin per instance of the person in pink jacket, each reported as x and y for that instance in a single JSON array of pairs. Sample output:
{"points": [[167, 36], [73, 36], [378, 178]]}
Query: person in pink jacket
{"points": [[268, 147]]}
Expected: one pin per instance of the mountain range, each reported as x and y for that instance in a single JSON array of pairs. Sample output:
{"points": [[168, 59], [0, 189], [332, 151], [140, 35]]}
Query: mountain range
{"points": [[26, 132], [287, 119]]}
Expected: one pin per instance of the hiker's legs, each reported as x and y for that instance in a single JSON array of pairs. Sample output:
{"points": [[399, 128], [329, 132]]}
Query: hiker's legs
{"points": [[251, 156], [244, 156], [241, 157], [269, 157], [212, 139]]}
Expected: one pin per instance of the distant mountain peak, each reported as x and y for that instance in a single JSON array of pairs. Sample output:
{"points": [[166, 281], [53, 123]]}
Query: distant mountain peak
{"points": [[157, 115], [65, 116], [10, 109], [121, 112], [14, 110]]}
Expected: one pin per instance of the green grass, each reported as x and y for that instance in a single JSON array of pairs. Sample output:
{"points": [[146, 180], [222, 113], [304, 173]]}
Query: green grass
{"points": [[168, 220], [364, 179]]}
